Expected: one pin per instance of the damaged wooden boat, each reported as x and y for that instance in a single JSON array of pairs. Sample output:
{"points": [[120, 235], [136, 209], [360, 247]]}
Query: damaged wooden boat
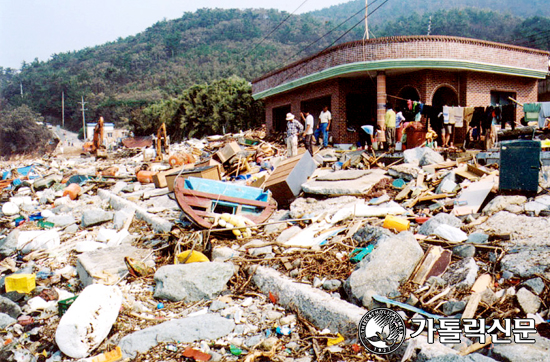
{"points": [[203, 199]]}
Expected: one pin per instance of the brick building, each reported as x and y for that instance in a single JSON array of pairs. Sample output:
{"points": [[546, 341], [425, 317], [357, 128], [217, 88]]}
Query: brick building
{"points": [[356, 79]]}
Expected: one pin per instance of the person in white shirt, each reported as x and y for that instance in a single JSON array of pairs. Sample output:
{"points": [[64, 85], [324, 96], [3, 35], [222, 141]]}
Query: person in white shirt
{"points": [[308, 133], [323, 127]]}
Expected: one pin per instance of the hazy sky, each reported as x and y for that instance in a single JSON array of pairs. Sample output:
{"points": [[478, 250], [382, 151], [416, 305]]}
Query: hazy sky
{"points": [[32, 29]]}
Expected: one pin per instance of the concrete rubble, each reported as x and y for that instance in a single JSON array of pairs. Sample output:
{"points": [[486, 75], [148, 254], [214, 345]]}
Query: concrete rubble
{"points": [[124, 269]]}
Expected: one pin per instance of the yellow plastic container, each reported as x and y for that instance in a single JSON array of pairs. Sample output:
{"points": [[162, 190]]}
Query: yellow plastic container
{"points": [[196, 257], [21, 283], [111, 356], [397, 223]]}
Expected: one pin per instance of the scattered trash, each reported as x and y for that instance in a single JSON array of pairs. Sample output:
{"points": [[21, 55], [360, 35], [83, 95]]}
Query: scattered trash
{"points": [[397, 223], [20, 283], [98, 239]]}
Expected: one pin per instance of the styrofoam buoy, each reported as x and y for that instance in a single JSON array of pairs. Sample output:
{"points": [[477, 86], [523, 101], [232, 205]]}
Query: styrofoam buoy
{"points": [[88, 321]]}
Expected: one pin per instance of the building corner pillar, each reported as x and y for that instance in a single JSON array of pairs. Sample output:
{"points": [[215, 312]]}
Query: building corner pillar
{"points": [[381, 100]]}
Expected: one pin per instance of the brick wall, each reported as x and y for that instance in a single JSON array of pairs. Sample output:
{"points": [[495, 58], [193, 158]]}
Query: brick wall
{"points": [[474, 89], [410, 47]]}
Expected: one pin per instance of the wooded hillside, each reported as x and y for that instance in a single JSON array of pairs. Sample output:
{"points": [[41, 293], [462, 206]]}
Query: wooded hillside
{"points": [[122, 79]]}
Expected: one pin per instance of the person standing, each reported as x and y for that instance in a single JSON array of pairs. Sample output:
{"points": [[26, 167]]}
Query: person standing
{"points": [[390, 127], [323, 127], [308, 133], [293, 127]]}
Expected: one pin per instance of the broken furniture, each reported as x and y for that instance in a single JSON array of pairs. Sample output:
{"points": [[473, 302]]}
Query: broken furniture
{"points": [[285, 183], [207, 172]]}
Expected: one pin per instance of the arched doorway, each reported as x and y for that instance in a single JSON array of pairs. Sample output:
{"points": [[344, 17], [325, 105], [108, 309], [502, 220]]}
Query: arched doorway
{"points": [[409, 92], [445, 96]]}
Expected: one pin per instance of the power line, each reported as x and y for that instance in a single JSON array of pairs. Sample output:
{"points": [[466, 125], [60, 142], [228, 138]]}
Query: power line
{"points": [[274, 29], [333, 29], [353, 27], [534, 38], [525, 37]]}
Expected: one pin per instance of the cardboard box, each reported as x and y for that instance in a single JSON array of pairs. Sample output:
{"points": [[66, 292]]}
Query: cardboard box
{"points": [[208, 172], [230, 150]]}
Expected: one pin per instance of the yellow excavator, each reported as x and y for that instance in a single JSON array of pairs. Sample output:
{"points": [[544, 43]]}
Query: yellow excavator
{"points": [[96, 146], [162, 145]]}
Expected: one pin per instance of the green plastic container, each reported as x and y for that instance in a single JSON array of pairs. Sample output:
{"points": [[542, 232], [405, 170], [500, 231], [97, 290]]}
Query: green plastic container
{"points": [[45, 224], [63, 305]]}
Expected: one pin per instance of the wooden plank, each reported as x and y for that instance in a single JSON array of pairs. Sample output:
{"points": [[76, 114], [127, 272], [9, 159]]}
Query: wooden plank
{"points": [[482, 283], [434, 263], [471, 307], [476, 347], [420, 180], [236, 200], [211, 173], [160, 178], [405, 192], [471, 173], [439, 166], [432, 197]]}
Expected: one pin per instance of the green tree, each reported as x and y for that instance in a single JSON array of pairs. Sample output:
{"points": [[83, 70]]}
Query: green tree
{"points": [[204, 109], [22, 133]]}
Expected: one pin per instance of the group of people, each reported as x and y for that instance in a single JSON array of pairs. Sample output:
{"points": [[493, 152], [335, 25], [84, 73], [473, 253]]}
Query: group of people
{"points": [[294, 128]]}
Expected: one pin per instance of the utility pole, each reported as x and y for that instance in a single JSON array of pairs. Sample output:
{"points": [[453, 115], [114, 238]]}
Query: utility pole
{"points": [[366, 19], [430, 26], [63, 109], [83, 118]]}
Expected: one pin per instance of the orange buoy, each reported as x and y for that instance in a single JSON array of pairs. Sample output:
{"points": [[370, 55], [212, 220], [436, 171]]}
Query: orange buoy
{"points": [[72, 191], [179, 159], [175, 160], [111, 171], [145, 177]]}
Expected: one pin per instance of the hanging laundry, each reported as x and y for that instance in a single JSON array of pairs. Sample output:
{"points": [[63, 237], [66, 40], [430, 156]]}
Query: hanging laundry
{"points": [[452, 115], [468, 115], [497, 115], [544, 113], [477, 117], [487, 120], [410, 105], [508, 116], [458, 116], [532, 111], [446, 114]]}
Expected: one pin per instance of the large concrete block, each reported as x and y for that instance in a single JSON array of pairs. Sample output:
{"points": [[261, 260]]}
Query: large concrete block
{"points": [[318, 307], [158, 224], [187, 330], [106, 264], [192, 282]]}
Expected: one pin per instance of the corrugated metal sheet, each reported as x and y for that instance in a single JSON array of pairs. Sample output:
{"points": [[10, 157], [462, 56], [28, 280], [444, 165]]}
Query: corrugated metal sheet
{"points": [[138, 142]]}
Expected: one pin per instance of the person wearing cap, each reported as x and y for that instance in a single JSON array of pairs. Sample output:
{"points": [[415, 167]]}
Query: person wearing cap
{"points": [[293, 127]]}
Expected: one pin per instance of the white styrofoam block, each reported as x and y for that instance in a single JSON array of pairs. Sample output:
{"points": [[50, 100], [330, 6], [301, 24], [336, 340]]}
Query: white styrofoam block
{"points": [[88, 320]]}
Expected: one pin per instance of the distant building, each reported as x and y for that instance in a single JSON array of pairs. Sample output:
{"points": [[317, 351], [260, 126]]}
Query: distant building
{"points": [[356, 79], [111, 135]]}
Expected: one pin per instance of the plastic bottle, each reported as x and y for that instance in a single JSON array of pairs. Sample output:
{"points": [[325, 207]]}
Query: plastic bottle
{"points": [[397, 223], [145, 177], [72, 191]]}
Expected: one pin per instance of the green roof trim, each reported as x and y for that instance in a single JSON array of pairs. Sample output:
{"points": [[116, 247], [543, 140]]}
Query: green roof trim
{"points": [[401, 64]]}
